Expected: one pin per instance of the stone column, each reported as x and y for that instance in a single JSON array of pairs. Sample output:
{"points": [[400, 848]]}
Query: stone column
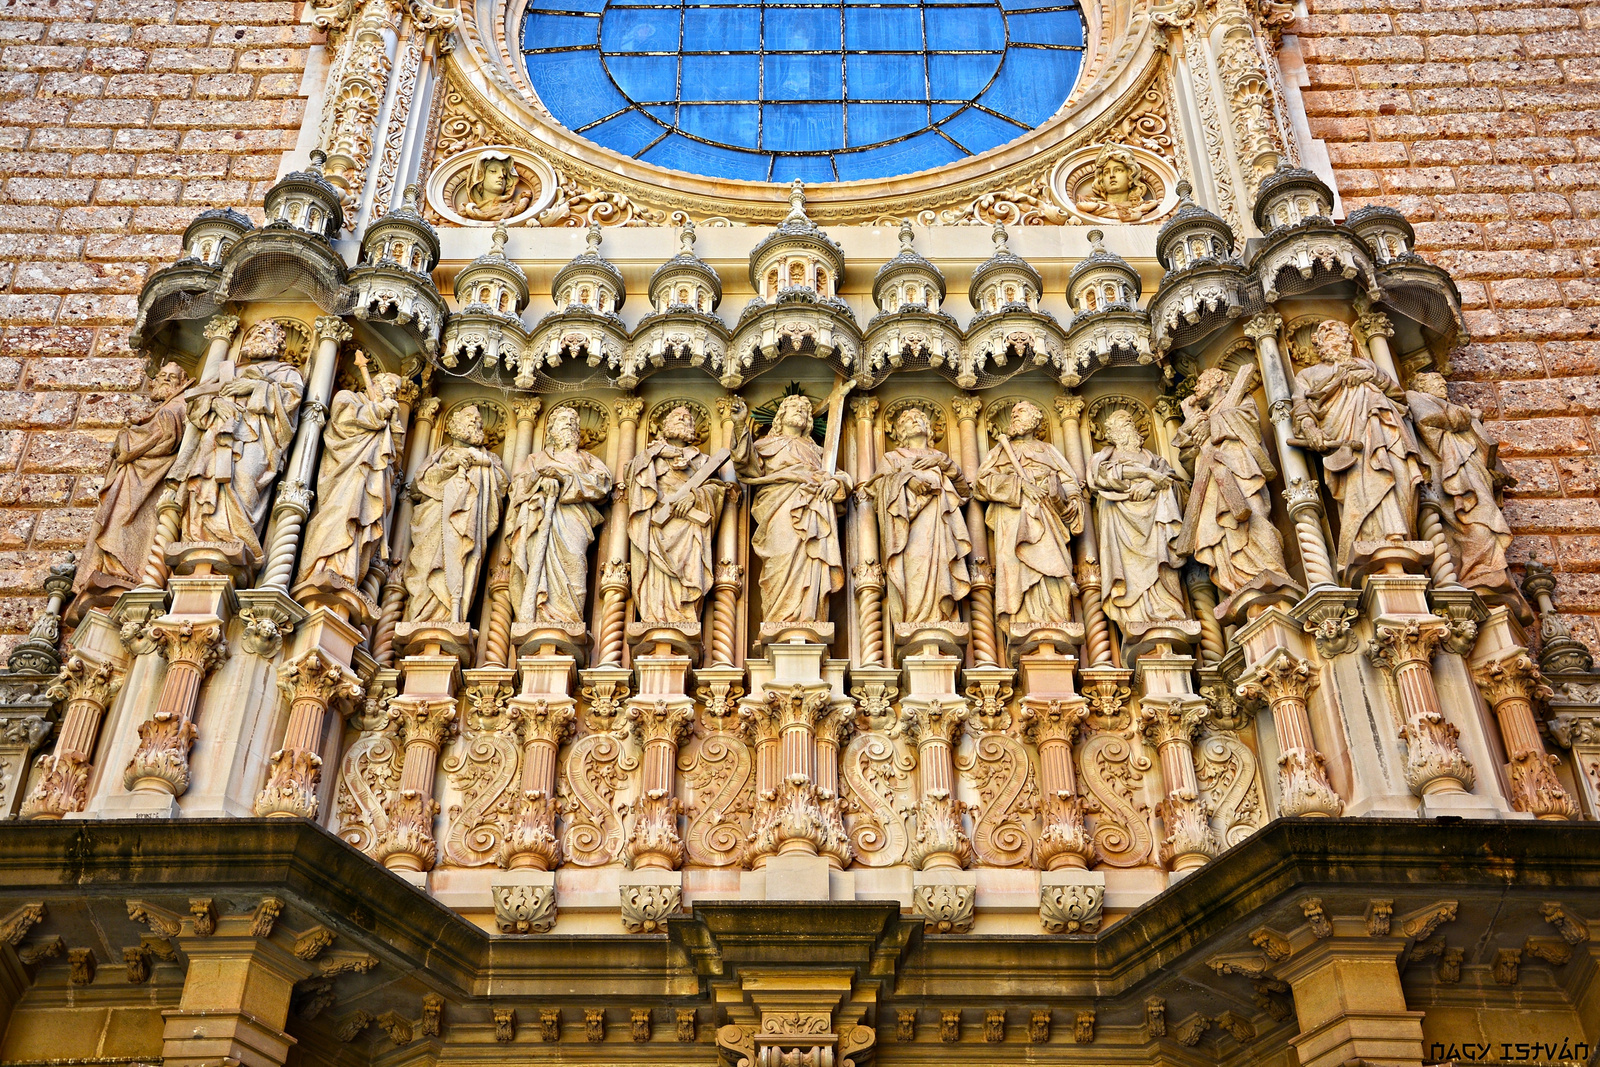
{"points": [[765, 716], [728, 580], [1305, 500], [295, 492], [191, 648], [219, 331], [661, 726], [1063, 840], [310, 683], [1377, 329], [1097, 628], [940, 841], [1283, 682], [875, 641], [418, 444], [985, 646], [61, 784], [1403, 650], [408, 843], [611, 622], [1350, 1004], [833, 727], [1511, 685], [235, 1003], [1170, 725], [531, 842]]}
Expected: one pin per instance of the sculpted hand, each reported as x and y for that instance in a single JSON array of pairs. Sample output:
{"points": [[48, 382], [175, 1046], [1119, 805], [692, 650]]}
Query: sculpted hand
{"points": [[681, 508], [1140, 491]]}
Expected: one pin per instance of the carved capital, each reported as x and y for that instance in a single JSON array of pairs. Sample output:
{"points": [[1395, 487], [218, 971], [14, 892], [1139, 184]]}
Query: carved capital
{"points": [[1282, 677], [542, 721], [527, 409], [316, 677], [197, 645], [221, 327], [1395, 646], [1069, 408], [1515, 677], [628, 409], [936, 720], [331, 328], [864, 408], [1172, 721], [1266, 324], [82, 679], [1056, 720], [428, 409], [425, 722], [1374, 324], [660, 721], [966, 406]]}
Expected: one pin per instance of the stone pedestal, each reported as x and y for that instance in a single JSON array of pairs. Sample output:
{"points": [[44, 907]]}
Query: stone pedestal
{"points": [[524, 901], [943, 898], [1350, 1004], [648, 896], [1071, 900], [235, 1004]]}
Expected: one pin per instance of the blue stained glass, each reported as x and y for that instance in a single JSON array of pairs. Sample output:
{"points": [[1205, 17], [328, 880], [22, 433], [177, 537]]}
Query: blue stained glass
{"points": [[721, 29], [821, 90]]}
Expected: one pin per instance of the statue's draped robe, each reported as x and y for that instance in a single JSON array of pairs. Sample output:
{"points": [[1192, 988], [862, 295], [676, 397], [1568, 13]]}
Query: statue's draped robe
{"points": [[1138, 561], [1376, 485], [1228, 525], [796, 534], [548, 535], [458, 512], [1030, 540], [126, 519], [355, 485], [246, 425], [925, 540], [1460, 454], [672, 559]]}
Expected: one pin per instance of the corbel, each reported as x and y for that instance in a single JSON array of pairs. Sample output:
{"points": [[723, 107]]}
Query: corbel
{"points": [[505, 1025], [309, 945], [15, 926], [1419, 925]]}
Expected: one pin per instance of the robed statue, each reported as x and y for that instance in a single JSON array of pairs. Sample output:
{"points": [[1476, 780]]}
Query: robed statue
{"points": [[114, 557], [1228, 525], [355, 482], [1035, 507], [1139, 522], [246, 414], [550, 524], [794, 512], [1467, 480], [457, 510], [918, 492], [674, 500], [1349, 409]]}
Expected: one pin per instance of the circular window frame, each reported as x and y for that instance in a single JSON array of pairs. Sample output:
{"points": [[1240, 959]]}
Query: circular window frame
{"points": [[1122, 50]]}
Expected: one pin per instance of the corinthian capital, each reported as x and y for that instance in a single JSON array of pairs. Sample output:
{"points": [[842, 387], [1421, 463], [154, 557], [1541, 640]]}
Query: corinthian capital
{"points": [[628, 409], [1282, 676], [794, 707], [935, 720], [331, 328], [1177, 719], [316, 676], [542, 722], [1513, 678], [221, 327], [84, 679], [1056, 721], [427, 722], [661, 721], [201, 645], [966, 406], [864, 408], [1266, 324], [1397, 645], [527, 409], [1069, 408]]}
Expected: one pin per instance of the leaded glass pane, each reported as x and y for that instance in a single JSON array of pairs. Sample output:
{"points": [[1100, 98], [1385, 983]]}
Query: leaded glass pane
{"points": [[822, 90]]}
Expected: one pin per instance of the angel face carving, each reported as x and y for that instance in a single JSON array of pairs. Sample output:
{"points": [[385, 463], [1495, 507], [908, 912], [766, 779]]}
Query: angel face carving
{"points": [[1119, 190], [496, 190]]}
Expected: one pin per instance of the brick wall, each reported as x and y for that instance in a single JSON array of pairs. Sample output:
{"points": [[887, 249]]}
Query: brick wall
{"points": [[119, 121], [1480, 119]]}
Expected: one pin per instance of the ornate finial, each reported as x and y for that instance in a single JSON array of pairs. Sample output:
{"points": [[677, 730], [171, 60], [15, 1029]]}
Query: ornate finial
{"points": [[499, 238], [905, 235], [1000, 238], [592, 240], [686, 239], [1185, 192], [797, 199], [1097, 240], [408, 199], [318, 158]]}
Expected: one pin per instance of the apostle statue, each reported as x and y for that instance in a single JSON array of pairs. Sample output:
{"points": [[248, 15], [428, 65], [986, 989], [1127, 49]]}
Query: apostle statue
{"points": [[355, 482], [919, 491], [1466, 478], [1035, 506], [114, 558], [674, 499], [1349, 409], [550, 523], [1228, 525], [458, 508], [246, 413], [1139, 522], [796, 532]]}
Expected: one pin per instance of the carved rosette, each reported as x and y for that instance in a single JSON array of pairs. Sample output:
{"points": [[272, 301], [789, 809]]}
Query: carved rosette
{"points": [[524, 909], [645, 907], [1434, 760], [1071, 909], [1284, 682], [1511, 686], [945, 909]]}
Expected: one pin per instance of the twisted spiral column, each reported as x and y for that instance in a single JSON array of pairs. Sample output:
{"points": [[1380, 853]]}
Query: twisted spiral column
{"points": [[1430, 523], [1213, 646], [868, 574]]}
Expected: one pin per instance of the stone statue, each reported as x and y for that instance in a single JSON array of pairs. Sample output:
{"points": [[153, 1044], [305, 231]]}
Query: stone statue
{"points": [[1467, 479], [1118, 190], [1228, 525], [458, 507], [550, 524], [1035, 506], [1139, 522], [1347, 408], [796, 531], [495, 190], [919, 492], [246, 415], [355, 482], [673, 505], [126, 520]]}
